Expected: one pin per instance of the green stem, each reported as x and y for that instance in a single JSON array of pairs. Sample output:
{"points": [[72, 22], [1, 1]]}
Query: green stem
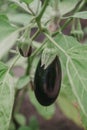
{"points": [[38, 50], [43, 9], [31, 10], [79, 7], [30, 59], [13, 63], [35, 35], [66, 23], [18, 104], [38, 18], [31, 23], [56, 44], [63, 27]]}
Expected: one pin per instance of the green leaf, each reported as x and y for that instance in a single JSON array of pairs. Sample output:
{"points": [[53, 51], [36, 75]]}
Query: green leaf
{"points": [[5, 28], [8, 36], [3, 69], [33, 123], [82, 15], [20, 62], [21, 120], [22, 5], [67, 106], [67, 99], [77, 73], [12, 126], [2, 66], [22, 82], [24, 128], [20, 18], [6, 97], [74, 55], [67, 6], [33, 5], [48, 14], [43, 111], [27, 1], [66, 43], [83, 120], [7, 43], [3, 17]]}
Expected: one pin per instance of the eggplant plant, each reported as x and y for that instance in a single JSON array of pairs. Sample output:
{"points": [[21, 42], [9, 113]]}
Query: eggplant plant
{"points": [[55, 67]]}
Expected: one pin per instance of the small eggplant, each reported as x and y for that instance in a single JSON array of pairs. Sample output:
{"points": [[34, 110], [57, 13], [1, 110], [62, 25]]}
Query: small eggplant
{"points": [[25, 49], [47, 82]]}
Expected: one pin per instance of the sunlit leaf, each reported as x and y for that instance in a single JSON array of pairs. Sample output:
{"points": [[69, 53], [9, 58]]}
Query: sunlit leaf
{"points": [[77, 73], [76, 67], [7, 43], [66, 6], [21, 120], [33, 5], [22, 82], [8, 35], [5, 28], [20, 18], [3, 69], [6, 98], [82, 15], [67, 107], [21, 4]]}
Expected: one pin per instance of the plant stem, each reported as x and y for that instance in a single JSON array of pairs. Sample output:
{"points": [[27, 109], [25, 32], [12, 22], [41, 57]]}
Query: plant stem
{"points": [[31, 10], [80, 4], [43, 10], [31, 58], [13, 63], [35, 35], [38, 18], [31, 23], [38, 50], [57, 45], [29, 61]]}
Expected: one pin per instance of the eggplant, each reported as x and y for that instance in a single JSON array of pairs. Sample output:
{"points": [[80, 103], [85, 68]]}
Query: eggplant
{"points": [[47, 82], [25, 49]]}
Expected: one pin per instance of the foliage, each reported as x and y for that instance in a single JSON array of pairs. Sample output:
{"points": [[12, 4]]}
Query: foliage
{"points": [[17, 19]]}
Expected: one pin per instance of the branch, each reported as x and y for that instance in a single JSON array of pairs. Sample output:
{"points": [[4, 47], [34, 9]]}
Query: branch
{"points": [[38, 18], [43, 9]]}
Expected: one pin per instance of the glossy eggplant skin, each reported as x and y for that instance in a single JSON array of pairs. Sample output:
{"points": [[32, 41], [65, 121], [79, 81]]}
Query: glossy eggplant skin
{"points": [[47, 82]]}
